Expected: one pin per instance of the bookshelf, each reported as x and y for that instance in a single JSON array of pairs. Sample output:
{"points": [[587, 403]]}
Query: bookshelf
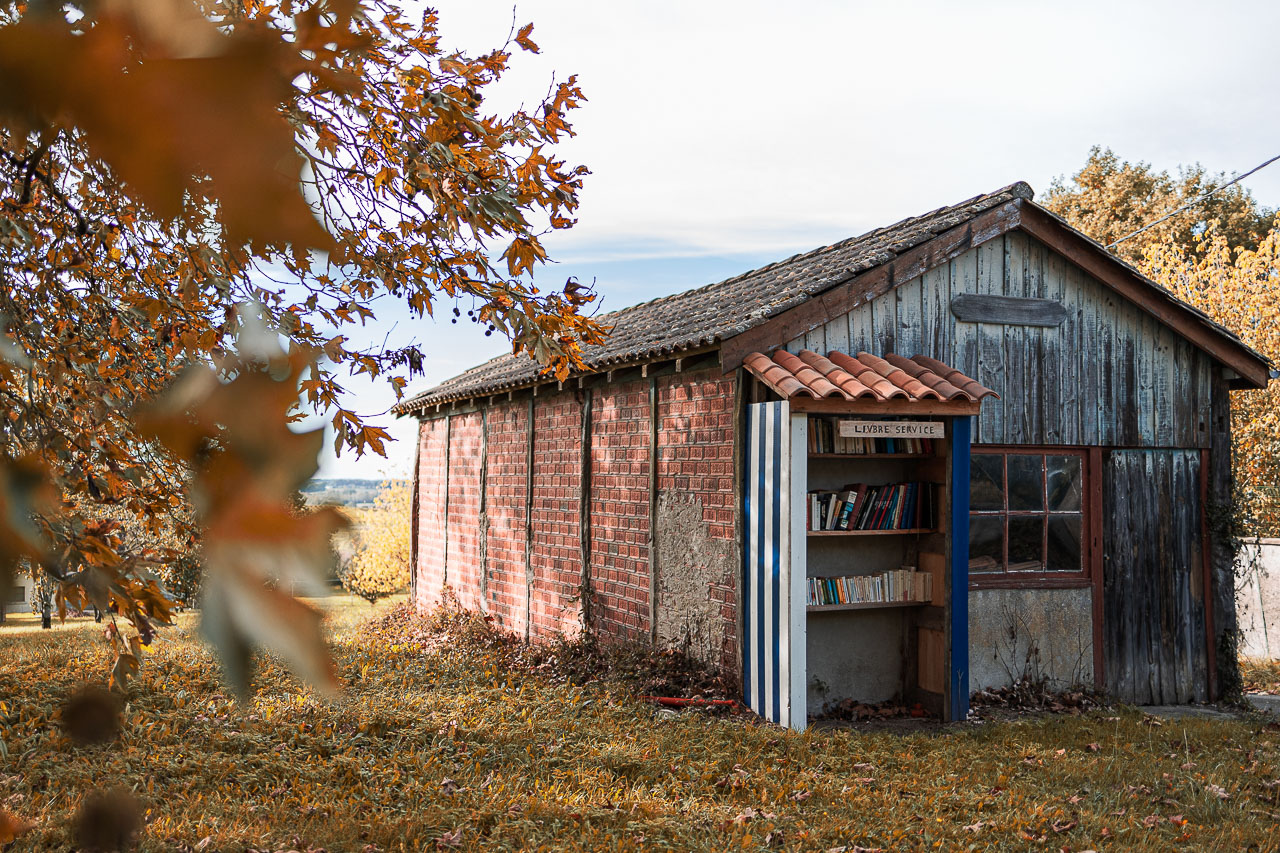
{"points": [[862, 638], [869, 605], [806, 647], [901, 532]]}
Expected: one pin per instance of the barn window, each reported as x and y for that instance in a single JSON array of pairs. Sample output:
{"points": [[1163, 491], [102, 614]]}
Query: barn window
{"points": [[1027, 515]]}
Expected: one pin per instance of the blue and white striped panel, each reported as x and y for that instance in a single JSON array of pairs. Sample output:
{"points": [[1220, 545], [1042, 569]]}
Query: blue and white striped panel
{"points": [[768, 661]]}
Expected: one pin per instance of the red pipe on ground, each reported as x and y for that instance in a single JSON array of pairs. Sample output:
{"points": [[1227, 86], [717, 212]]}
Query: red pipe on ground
{"points": [[675, 702]]}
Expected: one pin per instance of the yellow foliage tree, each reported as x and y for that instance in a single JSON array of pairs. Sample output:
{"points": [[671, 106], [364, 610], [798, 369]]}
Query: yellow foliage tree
{"points": [[1110, 198], [380, 564], [1240, 289]]}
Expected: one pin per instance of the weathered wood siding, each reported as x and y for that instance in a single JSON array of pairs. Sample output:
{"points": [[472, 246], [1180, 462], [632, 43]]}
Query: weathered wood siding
{"points": [[1109, 375], [1153, 577]]}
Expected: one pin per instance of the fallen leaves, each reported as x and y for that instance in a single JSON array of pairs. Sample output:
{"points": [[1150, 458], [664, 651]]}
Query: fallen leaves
{"points": [[453, 838], [1034, 695]]}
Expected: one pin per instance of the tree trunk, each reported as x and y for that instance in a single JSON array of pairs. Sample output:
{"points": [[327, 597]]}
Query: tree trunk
{"points": [[46, 615]]}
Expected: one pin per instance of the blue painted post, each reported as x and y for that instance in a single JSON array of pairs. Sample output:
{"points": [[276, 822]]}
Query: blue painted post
{"points": [[958, 524]]}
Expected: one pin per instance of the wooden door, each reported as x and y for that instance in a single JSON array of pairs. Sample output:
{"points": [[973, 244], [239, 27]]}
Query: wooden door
{"points": [[1153, 629]]}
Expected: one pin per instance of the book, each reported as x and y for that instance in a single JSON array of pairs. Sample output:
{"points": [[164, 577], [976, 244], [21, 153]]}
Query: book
{"points": [[905, 585]]}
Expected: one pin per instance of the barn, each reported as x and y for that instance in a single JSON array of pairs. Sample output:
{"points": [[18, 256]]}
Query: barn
{"points": [[959, 450]]}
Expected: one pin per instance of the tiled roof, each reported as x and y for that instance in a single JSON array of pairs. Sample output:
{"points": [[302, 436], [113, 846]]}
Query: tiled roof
{"points": [[707, 315], [863, 377]]}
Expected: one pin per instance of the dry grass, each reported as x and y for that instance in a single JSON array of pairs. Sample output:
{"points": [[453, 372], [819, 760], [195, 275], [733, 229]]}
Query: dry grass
{"points": [[438, 743], [1260, 675]]}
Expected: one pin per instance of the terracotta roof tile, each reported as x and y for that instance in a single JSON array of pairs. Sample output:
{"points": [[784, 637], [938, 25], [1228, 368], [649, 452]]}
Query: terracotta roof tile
{"points": [[863, 377]]}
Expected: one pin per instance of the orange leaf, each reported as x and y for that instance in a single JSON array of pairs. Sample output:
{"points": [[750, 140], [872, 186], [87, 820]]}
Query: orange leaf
{"points": [[11, 826], [522, 39]]}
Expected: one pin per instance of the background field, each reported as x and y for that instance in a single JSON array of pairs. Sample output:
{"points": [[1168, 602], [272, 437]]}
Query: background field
{"points": [[449, 736]]}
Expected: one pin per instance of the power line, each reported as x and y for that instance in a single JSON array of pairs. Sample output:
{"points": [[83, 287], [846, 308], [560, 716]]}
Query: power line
{"points": [[1195, 201]]}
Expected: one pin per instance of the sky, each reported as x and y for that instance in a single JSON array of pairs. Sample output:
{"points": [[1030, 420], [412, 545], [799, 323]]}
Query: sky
{"points": [[722, 136]]}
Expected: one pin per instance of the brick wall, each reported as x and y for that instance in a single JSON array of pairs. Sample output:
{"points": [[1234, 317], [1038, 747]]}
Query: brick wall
{"points": [[505, 492], [429, 573], [620, 510], [463, 575], [697, 600], [556, 555], [695, 470]]}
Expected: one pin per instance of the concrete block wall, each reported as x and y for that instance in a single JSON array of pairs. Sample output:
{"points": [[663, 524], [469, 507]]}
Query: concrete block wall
{"points": [[1258, 598], [696, 551]]}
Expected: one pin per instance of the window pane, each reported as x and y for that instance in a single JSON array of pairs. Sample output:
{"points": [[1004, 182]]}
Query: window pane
{"points": [[1026, 483], [986, 481], [1064, 543], [1026, 545], [1063, 476], [986, 544]]}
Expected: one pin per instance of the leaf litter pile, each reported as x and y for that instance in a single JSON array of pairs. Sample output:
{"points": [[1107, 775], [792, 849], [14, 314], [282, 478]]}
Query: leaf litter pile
{"points": [[450, 735]]}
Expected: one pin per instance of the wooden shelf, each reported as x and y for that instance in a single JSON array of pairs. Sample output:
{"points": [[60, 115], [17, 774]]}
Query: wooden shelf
{"points": [[866, 605], [873, 456], [902, 532]]}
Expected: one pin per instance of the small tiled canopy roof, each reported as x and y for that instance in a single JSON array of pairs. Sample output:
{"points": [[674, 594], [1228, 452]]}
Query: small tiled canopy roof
{"points": [[863, 377]]}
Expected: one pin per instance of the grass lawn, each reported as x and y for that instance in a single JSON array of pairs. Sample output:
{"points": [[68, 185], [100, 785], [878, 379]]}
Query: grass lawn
{"points": [[436, 743]]}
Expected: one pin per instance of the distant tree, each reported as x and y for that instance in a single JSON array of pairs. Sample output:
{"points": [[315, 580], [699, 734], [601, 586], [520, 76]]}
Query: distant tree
{"points": [[1110, 198], [42, 598], [380, 565]]}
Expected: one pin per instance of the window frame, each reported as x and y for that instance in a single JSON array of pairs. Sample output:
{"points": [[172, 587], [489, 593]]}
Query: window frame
{"points": [[1005, 579]]}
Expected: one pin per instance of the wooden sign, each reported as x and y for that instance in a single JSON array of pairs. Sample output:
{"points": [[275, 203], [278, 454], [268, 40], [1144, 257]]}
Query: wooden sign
{"points": [[1007, 310], [892, 429]]}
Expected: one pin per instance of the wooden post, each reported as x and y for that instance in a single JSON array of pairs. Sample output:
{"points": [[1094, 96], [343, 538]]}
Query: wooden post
{"points": [[448, 441], [482, 542], [584, 511], [739, 519], [653, 509], [413, 518], [957, 700], [528, 526], [1096, 551], [1220, 608]]}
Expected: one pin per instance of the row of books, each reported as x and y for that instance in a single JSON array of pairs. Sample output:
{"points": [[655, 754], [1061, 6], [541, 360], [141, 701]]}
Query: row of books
{"points": [[894, 506], [825, 438], [896, 585]]}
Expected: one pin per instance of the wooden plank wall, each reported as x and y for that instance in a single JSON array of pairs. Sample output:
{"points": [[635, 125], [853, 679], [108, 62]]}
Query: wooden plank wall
{"points": [[1153, 581], [1110, 375]]}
